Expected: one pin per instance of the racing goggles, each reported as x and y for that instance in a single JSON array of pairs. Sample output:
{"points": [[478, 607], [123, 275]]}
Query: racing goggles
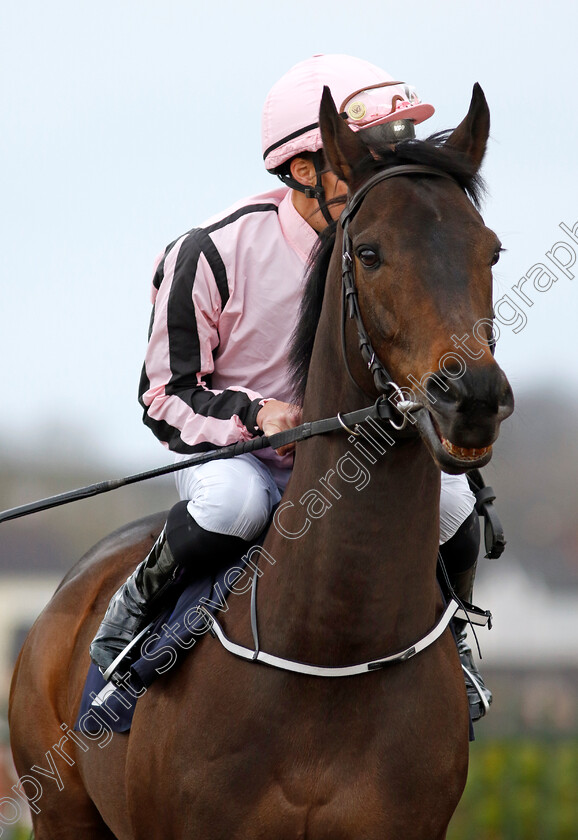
{"points": [[383, 102]]}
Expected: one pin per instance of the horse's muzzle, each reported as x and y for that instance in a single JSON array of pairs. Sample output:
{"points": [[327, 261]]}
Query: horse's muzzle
{"points": [[462, 417]]}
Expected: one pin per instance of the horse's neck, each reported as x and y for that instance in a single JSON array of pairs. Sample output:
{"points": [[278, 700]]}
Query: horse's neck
{"points": [[355, 560], [355, 541]]}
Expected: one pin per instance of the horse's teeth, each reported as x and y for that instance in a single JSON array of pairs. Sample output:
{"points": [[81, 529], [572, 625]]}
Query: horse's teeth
{"points": [[462, 453]]}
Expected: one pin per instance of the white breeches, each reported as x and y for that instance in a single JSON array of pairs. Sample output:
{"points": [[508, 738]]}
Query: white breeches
{"points": [[233, 496], [236, 496], [456, 503]]}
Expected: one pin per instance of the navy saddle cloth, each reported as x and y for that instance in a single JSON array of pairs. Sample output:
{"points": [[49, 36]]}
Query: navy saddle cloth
{"points": [[173, 634]]}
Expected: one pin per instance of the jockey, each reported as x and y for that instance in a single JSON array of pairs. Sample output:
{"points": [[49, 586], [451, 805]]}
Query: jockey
{"points": [[226, 297]]}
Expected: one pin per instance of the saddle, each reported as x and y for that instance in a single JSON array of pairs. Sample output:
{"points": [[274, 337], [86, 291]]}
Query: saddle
{"points": [[168, 639]]}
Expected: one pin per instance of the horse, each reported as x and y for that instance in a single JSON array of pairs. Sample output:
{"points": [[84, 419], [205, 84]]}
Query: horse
{"points": [[221, 747]]}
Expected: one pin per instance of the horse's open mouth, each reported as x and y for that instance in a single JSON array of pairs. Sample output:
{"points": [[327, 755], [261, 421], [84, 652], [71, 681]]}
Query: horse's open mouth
{"points": [[449, 457], [463, 454]]}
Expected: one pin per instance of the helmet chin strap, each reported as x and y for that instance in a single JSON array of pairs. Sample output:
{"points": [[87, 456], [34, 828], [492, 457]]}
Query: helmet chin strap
{"points": [[318, 191]]}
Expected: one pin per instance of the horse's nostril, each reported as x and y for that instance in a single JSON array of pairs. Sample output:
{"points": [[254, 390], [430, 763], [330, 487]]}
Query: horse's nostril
{"points": [[479, 394], [450, 395], [441, 389]]}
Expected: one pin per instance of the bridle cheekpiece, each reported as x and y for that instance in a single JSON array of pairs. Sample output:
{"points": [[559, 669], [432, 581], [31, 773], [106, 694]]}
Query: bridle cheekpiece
{"points": [[350, 302]]}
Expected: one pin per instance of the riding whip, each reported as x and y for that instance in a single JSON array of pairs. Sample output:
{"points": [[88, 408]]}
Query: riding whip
{"points": [[380, 410]]}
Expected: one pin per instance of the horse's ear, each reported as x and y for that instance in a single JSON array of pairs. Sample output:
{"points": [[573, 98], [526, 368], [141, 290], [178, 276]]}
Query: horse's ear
{"points": [[471, 135], [343, 148]]}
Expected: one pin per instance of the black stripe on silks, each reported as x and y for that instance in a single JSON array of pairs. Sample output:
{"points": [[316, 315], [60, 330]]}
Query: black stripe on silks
{"points": [[162, 430], [160, 272], [151, 322], [184, 349], [168, 434], [210, 251], [221, 406], [209, 248], [143, 386], [160, 269], [242, 211], [215, 262]]}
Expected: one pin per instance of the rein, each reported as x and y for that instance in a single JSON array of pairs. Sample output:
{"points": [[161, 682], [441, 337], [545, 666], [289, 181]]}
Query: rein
{"points": [[350, 301], [380, 410]]}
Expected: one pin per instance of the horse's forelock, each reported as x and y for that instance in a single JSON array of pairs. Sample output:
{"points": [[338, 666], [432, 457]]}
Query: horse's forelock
{"points": [[434, 152]]}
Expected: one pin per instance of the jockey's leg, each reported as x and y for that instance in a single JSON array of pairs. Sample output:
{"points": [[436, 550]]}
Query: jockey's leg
{"points": [[230, 503], [459, 552]]}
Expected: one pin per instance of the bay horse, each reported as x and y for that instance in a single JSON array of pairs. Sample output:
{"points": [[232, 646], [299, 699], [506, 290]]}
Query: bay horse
{"points": [[221, 748]]}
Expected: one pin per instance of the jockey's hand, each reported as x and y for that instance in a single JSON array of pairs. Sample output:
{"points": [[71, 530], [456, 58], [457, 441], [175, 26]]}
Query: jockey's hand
{"points": [[276, 416]]}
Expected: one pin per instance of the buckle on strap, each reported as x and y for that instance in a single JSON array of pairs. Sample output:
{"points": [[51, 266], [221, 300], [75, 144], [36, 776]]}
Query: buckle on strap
{"points": [[474, 615], [494, 539]]}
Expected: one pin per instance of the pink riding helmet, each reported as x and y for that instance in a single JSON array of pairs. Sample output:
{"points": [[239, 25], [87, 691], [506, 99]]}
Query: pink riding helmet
{"points": [[363, 92]]}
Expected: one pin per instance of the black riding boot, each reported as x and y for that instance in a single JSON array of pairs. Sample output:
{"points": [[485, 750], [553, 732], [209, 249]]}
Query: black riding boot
{"points": [[182, 543], [460, 555]]}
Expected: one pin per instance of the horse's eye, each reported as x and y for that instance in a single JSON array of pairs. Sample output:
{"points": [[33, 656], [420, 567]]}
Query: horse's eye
{"points": [[368, 257], [496, 256]]}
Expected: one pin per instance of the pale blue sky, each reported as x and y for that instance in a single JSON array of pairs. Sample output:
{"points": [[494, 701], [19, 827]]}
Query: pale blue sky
{"points": [[126, 123]]}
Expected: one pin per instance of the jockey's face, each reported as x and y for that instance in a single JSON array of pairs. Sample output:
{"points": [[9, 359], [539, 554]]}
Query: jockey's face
{"points": [[303, 170], [334, 189]]}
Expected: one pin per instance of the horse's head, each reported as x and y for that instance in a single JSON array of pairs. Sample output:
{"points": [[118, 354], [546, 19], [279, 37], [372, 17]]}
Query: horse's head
{"points": [[422, 262]]}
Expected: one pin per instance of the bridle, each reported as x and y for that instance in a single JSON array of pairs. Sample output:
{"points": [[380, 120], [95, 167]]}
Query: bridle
{"points": [[350, 302]]}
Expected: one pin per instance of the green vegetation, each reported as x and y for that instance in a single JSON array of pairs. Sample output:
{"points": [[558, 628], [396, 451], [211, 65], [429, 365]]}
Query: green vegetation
{"points": [[520, 789]]}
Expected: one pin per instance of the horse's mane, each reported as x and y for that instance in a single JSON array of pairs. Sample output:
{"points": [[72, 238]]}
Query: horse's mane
{"points": [[430, 152]]}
